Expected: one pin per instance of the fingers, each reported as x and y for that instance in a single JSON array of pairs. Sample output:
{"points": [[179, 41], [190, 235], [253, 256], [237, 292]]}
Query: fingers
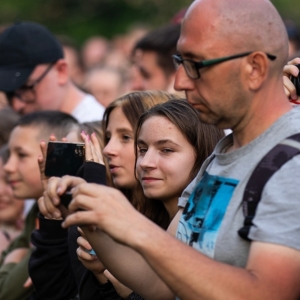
{"points": [[97, 148], [28, 283], [82, 242], [88, 150], [79, 218], [55, 188], [290, 70], [92, 148], [42, 164], [121, 289], [289, 88], [294, 61]]}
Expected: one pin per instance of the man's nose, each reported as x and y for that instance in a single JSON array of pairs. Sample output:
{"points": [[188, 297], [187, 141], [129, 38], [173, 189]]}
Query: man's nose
{"points": [[182, 81]]}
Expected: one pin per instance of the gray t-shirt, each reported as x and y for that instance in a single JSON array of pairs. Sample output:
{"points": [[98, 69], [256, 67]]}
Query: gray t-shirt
{"points": [[213, 212]]}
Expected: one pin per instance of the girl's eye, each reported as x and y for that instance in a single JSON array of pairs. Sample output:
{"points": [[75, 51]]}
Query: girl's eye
{"points": [[22, 155], [126, 137], [142, 150], [167, 150]]}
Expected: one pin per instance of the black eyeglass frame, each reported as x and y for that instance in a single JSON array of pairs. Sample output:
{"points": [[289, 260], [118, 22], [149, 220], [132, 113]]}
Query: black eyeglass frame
{"points": [[178, 60], [18, 93]]}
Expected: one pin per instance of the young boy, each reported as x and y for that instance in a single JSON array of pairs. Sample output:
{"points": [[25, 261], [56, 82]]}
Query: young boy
{"points": [[24, 176]]}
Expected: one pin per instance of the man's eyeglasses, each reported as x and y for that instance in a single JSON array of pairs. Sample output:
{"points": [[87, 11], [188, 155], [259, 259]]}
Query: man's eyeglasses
{"points": [[192, 67], [26, 93]]}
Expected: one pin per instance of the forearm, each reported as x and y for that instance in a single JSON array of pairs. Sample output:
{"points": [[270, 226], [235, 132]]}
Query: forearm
{"points": [[12, 278], [191, 275], [128, 267]]}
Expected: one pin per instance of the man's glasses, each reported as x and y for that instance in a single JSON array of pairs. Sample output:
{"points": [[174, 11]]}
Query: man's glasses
{"points": [[192, 67], [26, 93]]}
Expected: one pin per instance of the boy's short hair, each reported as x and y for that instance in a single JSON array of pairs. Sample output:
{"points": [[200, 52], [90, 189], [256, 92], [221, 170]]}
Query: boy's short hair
{"points": [[49, 122]]}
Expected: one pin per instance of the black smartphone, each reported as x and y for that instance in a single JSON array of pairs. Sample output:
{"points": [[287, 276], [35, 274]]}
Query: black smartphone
{"points": [[64, 158], [65, 199]]}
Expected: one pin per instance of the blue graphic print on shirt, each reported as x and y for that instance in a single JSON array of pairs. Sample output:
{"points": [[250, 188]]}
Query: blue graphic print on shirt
{"points": [[202, 217]]}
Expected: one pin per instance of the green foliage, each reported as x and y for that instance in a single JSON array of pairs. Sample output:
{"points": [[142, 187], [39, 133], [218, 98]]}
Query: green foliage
{"points": [[80, 19], [289, 9]]}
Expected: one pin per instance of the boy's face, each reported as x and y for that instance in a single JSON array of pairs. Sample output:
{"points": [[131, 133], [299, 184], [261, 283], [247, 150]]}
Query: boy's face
{"points": [[22, 166]]}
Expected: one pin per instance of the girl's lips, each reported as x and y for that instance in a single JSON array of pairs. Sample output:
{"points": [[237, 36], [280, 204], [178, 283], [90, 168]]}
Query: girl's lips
{"points": [[113, 168], [150, 179]]}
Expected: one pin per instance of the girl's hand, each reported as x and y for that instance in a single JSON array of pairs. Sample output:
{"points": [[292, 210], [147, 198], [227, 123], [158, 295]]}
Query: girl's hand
{"points": [[92, 148], [120, 288]]}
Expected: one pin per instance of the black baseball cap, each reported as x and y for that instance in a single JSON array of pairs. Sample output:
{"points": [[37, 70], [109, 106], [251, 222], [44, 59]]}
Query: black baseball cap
{"points": [[23, 46]]}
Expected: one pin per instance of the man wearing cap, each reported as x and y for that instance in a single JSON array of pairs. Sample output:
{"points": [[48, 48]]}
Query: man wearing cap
{"points": [[34, 74]]}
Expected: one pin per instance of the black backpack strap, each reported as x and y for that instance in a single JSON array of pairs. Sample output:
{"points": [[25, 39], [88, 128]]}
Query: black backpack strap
{"points": [[269, 164]]}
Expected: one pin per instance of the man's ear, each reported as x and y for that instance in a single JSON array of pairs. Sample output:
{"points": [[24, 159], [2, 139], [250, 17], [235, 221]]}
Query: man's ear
{"points": [[62, 70], [257, 69]]}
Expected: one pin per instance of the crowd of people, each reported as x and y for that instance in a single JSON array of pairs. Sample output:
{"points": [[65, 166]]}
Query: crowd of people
{"points": [[188, 187]]}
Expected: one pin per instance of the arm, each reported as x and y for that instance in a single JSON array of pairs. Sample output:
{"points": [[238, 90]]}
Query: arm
{"points": [[14, 263], [272, 270]]}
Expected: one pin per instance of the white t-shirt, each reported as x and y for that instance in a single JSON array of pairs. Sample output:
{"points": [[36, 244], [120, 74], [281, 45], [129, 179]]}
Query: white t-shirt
{"points": [[89, 109]]}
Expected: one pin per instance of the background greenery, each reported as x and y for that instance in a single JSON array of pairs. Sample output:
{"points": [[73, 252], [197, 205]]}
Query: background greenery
{"points": [[80, 19]]}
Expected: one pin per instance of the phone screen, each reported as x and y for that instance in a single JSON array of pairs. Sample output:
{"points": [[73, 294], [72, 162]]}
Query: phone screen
{"points": [[64, 158]]}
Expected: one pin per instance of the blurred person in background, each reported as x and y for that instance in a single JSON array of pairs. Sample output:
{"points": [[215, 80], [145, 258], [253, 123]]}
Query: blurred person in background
{"points": [[24, 177], [126, 42], [152, 63], [105, 83], [3, 100], [93, 51], [36, 77], [73, 58], [11, 209], [294, 39], [8, 119]]}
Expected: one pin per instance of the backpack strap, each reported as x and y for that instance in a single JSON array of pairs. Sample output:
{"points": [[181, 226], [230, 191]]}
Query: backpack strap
{"points": [[269, 164]]}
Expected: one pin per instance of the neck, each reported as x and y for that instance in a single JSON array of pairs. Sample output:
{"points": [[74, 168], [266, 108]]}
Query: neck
{"points": [[263, 112], [171, 206], [72, 97]]}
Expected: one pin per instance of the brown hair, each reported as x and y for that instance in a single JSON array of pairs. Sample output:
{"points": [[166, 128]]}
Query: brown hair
{"points": [[133, 105], [201, 136]]}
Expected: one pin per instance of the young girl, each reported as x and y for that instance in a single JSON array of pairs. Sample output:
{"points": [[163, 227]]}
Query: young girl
{"points": [[171, 145]]}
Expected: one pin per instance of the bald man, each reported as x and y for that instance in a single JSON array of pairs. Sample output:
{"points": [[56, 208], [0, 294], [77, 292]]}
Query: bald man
{"points": [[232, 53]]}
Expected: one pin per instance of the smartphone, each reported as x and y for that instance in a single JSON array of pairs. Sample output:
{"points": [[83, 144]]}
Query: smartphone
{"points": [[64, 158], [65, 199]]}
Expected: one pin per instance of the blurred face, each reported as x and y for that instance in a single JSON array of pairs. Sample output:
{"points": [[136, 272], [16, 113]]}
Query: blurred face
{"points": [[165, 160], [105, 86], [150, 75], [119, 150], [11, 209], [45, 91], [22, 167]]}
